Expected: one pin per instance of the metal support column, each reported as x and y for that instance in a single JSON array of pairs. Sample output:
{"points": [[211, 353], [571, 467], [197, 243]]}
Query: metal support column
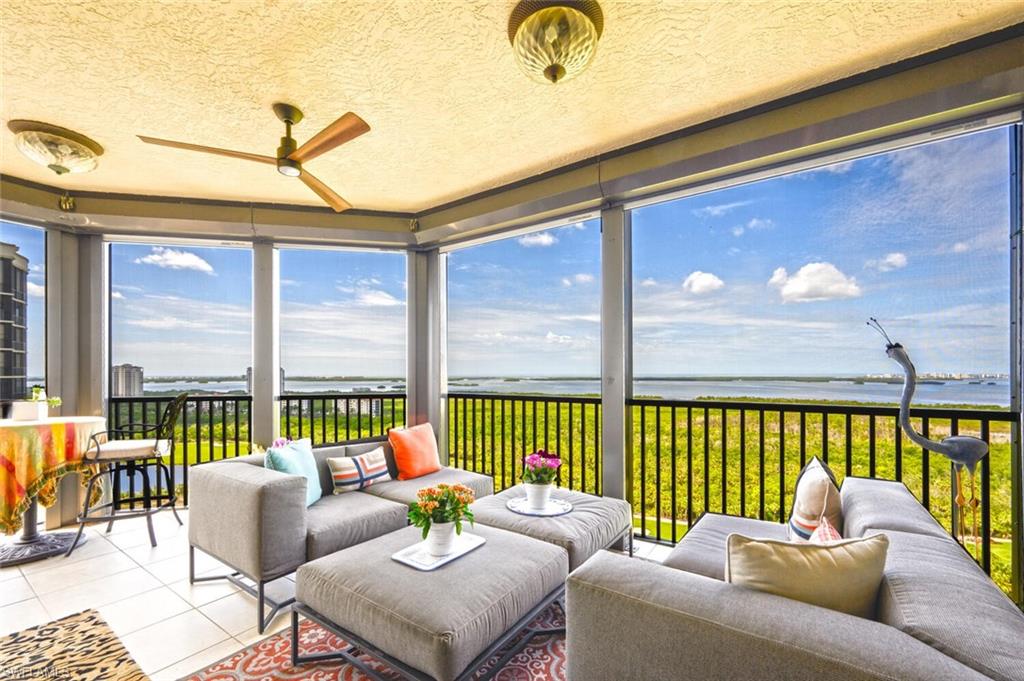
{"points": [[425, 342], [1017, 369], [616, 348], [266, 344]]}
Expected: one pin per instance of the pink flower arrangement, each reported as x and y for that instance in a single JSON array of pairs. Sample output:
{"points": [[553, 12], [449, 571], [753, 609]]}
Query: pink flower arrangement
{"points": [[541, 467], [280, 442]]}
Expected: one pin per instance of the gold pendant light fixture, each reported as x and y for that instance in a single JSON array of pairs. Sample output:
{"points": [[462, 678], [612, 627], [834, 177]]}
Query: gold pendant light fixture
{"points": [[59, 149], [554, 40]]}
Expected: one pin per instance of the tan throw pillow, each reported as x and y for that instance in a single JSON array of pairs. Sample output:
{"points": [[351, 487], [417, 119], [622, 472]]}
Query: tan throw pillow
{"points": [[843, 575], [816, 494], [352, 473]]}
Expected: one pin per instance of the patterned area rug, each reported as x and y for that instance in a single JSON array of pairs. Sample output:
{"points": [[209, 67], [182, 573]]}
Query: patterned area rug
{"points": [[79, 647], [542, 660]]}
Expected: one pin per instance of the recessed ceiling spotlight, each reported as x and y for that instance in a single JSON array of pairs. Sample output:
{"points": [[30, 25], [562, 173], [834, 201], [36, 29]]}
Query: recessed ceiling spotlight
{"points": [[555, 40], [59, 149]]}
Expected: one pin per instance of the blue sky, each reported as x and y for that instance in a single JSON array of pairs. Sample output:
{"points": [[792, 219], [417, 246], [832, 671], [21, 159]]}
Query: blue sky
{"points": [[770, 278]]}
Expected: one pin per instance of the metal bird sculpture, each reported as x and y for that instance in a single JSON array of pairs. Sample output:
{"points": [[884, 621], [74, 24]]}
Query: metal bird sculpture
{"points": [[963, 451]]}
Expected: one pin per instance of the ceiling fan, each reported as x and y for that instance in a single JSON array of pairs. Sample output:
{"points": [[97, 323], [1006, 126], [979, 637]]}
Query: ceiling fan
{"points": [[290, 157]]}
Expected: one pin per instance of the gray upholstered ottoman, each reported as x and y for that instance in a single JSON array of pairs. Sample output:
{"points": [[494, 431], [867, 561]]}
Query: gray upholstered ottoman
{"points": [[594, 523], [441, 624]]}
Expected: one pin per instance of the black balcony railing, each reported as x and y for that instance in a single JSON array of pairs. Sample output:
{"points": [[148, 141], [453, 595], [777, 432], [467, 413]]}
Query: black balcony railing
{"points": [[335, 418], [689, 457], [743, 457], [490, 434], [210, 428]]}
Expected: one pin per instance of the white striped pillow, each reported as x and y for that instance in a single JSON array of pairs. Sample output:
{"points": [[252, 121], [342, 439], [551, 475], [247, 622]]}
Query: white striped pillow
{"points": [[351, 473], [816, 495]]}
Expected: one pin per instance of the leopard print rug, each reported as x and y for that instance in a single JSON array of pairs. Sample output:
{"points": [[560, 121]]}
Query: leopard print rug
{"points": [[79, 647]]}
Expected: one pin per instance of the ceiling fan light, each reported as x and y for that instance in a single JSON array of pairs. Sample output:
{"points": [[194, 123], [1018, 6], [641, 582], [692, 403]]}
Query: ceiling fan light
{"points": [[554, 41], [59, 149], [288, 167]]}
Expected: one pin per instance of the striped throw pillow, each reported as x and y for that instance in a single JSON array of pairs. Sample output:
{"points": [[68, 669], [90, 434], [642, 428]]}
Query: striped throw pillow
{"points": [[351, 473], [816, 495], [825, 533]]}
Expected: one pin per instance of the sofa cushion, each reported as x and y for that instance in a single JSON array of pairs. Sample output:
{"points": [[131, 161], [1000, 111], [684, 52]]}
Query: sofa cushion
{"points": [[415, 450], [935, 592], [296, 458], [595, 522], [337, 522], [884, 505], [702, 550], [816, 496], [353, 473], [404, 491], [842, 575]]}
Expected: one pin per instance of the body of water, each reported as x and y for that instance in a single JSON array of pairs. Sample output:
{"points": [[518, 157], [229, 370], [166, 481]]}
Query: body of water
{"points": [[984, 392]]}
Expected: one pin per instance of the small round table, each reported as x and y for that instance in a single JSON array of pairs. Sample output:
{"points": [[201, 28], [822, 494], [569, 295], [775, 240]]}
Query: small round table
{"points": [[34, 456]]}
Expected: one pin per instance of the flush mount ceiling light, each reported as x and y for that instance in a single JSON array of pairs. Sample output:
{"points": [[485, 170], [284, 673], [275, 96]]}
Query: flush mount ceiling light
{"points": [[555, 40], [59, 149]]}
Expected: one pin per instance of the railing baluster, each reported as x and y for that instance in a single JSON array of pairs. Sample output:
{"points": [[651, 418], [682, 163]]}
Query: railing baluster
{"points": [[571, 433], [986, 506], [707, 462], [899, 449], [871, 446], [643, 472], [760, 467], [657, 472], [675, 515], [782, 466], [583, 447], [724, 464], [803, 439], [689, 468], [743, 462], [926, 474], [504, 481], [849, 445]]}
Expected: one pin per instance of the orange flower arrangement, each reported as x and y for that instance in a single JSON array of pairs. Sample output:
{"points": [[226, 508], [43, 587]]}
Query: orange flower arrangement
{"points": [[442, 504]]}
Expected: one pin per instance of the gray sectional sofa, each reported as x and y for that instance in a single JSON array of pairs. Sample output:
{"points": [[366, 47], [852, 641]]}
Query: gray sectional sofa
{"points": [[255, 520], [938, 615]]}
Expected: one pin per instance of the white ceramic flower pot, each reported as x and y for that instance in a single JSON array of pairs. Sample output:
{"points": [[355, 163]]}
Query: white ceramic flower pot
{"points": [[28, 410], [537, 496], [440, 538]]}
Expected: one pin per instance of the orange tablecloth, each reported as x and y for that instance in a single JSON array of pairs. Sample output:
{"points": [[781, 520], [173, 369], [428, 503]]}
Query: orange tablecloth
{"points": [[34, 456]]}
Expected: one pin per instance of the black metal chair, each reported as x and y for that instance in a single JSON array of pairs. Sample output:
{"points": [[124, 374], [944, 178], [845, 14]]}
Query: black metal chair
{"points": [[127, 445]]}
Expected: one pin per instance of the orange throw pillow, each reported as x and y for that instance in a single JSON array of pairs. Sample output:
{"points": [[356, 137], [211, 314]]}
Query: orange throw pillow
{"points": [[415, 451]]}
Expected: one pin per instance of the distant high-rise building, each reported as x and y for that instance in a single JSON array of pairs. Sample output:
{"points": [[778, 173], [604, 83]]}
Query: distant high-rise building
{"points": [[248, 380], [126, 380], [13, 323]]}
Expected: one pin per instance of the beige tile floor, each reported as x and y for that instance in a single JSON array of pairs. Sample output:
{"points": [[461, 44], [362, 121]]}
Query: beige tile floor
{"points": [[170, 627]]}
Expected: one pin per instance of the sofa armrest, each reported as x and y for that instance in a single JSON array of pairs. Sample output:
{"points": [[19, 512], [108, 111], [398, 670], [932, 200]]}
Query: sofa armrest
{"points": [[250, 517], [633, 619]]}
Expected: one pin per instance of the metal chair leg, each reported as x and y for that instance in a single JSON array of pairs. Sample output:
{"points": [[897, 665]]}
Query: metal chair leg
{"points": [[147, 492], [85, 513], [170, 491]]}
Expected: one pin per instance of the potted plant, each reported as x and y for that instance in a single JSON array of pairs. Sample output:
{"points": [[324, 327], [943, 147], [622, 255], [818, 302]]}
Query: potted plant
{"points": [[539, 474], [439, 512], [35, 408]]}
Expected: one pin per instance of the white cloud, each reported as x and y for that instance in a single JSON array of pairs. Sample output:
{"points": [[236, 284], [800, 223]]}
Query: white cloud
{"points": [[116, 295], [583, 278], [289, 282], [813, 282], [576, 225], [752, 224], [552, 337], [891, 261], [376, 298], [171, 258], [539, 239], [566, 282], [699, 283], [648, 282], [719, 209], [961, 247], [36, 291]]}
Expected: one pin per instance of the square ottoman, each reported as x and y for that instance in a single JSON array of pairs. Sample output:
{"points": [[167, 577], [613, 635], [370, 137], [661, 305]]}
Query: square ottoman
{"points": [[594, 523], [430, 625]]}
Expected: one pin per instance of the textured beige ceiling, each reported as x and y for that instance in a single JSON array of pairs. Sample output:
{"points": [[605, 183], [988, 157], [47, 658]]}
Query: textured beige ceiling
{"points": [[450, 113]]}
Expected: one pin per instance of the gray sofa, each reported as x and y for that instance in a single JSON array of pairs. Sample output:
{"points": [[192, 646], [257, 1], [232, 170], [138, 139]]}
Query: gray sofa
{"points": [[255, 519], [938, 615]]}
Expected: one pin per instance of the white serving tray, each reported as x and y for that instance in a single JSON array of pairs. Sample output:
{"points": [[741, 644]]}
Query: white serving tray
{"points": [[418, 557], [555, 507]]}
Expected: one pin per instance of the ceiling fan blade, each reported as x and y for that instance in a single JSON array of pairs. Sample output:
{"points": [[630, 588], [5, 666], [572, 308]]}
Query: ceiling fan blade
{"points": [[329, 196], [337, 133], [245, 156]]}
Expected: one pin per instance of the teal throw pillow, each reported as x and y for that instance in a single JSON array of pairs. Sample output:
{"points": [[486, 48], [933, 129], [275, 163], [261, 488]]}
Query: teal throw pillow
{"points": [[296, 458]]}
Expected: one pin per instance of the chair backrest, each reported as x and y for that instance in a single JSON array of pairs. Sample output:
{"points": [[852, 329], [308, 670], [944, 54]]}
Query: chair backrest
{"points": [[165, 431]]}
